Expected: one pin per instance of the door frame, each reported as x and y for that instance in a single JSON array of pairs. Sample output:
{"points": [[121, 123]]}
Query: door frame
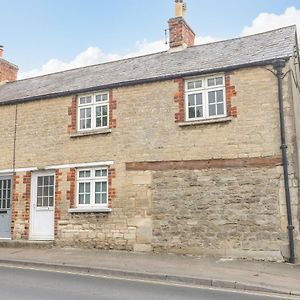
{"points": [[33, 200], [8, 177]]}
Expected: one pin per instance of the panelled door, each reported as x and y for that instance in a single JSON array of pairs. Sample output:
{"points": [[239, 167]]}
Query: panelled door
{"points": [[5, 207], [42, 206]]}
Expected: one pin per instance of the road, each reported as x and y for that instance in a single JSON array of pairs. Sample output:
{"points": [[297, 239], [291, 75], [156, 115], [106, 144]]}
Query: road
{"points": [[25, 284]]}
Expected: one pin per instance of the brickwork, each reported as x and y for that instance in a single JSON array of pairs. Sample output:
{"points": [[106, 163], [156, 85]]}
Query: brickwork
{"points": [[14, 207], [72, 112], [71, 178], [230, 92], [8, 72], [179, 98], [58, 199], [180, 33], [26, 201], [111, 189], [112, 107]]}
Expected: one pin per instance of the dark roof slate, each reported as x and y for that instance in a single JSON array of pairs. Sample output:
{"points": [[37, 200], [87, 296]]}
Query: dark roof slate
{"points": [[233, 53]]}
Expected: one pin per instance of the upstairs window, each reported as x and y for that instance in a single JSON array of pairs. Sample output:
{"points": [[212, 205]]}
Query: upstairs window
{"points": [[93, 111], [205, 98]]}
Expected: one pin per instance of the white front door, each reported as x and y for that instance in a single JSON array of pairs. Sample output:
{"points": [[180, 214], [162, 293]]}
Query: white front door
{"points": [[42, 206], [5, 207]]}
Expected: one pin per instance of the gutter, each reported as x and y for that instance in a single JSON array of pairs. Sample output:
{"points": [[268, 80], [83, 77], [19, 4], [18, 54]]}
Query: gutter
{"points": [[278, 66], [139, 81]]}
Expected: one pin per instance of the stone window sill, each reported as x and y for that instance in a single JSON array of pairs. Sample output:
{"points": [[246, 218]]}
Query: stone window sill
{"points": [[90, 132], [207, 121], [90, 210]]}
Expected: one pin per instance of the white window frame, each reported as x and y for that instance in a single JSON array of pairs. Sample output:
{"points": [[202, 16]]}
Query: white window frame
{"points": [[93, 106], [92, 180], [205, 89]]}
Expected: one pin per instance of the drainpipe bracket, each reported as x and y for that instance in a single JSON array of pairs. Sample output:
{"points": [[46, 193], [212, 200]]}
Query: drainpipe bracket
{"points": [[283, 146], [290, 227]]}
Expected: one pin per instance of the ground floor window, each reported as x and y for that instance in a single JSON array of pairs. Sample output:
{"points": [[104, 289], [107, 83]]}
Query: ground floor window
{"points": [[92, 187]]}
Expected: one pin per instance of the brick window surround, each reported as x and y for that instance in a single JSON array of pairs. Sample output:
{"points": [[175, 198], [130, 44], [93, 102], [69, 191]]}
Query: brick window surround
{"points": [[71, 193], [72, 113], [179, 98], [58, 199]]}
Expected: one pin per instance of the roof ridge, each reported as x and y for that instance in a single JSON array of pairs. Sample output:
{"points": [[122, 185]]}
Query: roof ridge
{"points": [[247, 36], [150, 54]]}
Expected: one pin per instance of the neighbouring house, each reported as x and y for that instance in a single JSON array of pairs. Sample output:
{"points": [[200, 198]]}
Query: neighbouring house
{"points": [[194, 150]]}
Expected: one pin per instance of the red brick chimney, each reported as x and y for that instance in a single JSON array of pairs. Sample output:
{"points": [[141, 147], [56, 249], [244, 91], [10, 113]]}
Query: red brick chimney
{"points": [[8, 71], [181, 34]]}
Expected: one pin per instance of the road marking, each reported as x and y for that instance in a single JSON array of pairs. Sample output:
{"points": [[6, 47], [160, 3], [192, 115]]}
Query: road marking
{"points": [[169, 283]]}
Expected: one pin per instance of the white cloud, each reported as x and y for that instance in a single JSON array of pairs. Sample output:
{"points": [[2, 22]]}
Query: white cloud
{"points": [[267, 21], [94, 55]]}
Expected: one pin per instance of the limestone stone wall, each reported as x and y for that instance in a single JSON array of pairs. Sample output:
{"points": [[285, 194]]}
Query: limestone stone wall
{"points": [[220, 211]]}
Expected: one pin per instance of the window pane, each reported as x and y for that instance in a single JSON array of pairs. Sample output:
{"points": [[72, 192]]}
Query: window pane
{"points": [[220, 108], [87, 198], [211, 82], [51, 180], [104, 110], [51, 201], [45, 201], [104, 198], [98, 111], [104, 121], [97, 187], [190, 85], [39, 201], [199, 111], [212, 110], [211, 97], [104, 186], [40, 191], [191, 100], [97, 198], [81, 188], [82, 113], [87, 187], [40, 181], [46, 180], [219, 80], [220, 96], [198, 99], [88, 112], [191, 112], [81, 199], [98, 122], [88, 123], [198, 84]]}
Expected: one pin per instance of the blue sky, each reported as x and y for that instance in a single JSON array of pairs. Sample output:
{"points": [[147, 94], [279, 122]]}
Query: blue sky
{"points": [[40, 32]]}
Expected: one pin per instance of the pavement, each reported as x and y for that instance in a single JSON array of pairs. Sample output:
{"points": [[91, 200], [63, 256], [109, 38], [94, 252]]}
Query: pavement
{"points": [[260, 276]]}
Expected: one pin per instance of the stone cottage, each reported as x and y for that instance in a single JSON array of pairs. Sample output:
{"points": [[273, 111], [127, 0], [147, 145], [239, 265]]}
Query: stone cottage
{"points": [[194, 150]]}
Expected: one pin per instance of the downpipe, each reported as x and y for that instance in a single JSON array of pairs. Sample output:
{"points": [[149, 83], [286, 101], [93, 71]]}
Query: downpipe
{"points": [[278, 66]]}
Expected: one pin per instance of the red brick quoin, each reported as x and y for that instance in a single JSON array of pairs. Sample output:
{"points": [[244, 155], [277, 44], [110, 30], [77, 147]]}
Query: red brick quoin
{"points": [[72, 112], [26, 201], [179, 98], [15, 197], [58, 179]]}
